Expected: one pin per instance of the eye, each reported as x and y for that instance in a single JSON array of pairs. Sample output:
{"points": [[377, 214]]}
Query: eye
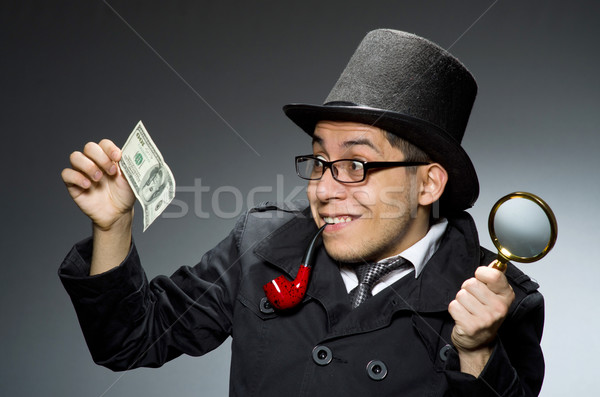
{"points": [[317, 162], [356, 166]]}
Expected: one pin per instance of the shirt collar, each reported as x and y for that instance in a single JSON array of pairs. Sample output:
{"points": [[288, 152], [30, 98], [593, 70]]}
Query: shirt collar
{"points": [[419, 253]]}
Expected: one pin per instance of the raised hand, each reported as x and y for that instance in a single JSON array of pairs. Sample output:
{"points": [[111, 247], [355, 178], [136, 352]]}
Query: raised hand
{"points": [[97, 185], [478, 311]]}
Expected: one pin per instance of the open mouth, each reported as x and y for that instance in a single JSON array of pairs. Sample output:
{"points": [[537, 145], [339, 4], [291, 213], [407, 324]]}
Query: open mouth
{"points": [[337, 219]]}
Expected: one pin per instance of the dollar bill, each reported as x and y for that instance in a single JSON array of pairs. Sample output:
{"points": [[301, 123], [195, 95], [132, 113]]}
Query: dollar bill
{"points": [[148, 175]]}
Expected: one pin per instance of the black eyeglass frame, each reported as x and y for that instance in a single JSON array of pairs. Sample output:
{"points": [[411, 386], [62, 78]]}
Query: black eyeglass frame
{"points": [[367, 165]]}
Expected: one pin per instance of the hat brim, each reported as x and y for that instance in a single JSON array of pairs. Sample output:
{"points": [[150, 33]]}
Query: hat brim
{"points": [[462, 188]]}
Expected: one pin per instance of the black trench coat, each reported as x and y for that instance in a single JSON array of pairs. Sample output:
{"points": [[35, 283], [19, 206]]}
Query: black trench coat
{"points": [[395, 344]]}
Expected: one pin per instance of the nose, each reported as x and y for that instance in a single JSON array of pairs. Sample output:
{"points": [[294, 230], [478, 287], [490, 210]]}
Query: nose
{"points": [[327, 188]]}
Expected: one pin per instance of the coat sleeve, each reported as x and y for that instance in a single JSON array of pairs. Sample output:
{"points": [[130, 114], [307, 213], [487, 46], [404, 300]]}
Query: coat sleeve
{"points": [[129, 322], [516, 367]]}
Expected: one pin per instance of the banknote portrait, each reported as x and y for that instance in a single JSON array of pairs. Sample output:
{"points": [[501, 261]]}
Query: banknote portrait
{"points": [[153, 183]]}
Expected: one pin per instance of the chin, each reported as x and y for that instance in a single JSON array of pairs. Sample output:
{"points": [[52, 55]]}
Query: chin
{"points": [[345, 252]]}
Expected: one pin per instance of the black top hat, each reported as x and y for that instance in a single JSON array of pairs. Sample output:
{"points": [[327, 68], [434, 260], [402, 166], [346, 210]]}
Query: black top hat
{"points": [[413, 88]]}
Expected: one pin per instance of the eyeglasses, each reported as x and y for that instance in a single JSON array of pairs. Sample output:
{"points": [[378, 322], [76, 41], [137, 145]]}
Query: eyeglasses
{"points": [[345, 170]]}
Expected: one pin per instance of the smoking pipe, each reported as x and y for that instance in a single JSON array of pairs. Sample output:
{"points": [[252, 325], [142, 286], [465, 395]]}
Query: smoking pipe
{"points": [[285, 294]]}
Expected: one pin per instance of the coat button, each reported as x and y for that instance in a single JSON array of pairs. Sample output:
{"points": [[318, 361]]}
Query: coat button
{"points": [[322, 355], [376, 370], [444, 351], [266, 306]]}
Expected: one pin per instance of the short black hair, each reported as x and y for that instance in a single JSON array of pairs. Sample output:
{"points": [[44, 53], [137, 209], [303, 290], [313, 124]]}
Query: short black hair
{"points": [[410, 151]]}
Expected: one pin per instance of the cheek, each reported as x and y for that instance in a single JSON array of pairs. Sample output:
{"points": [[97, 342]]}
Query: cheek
{"points": [[312, 200], [385, 197], [311, 191], [363, 196], [367, 195], [394, 204]]}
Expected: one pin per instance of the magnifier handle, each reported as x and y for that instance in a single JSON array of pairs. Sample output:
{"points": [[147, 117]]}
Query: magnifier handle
{"points": [[498, 264]]}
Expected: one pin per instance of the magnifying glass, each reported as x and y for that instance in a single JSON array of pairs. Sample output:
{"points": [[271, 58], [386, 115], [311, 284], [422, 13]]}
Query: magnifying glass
{"points": [[522, 227]]}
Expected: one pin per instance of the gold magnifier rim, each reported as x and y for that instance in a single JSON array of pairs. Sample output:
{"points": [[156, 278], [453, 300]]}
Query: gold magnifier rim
{"points": [[505, 253]]}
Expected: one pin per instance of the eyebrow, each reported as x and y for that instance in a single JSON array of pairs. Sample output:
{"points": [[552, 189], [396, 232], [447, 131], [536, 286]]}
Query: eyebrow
{"points": [[350, 143]]}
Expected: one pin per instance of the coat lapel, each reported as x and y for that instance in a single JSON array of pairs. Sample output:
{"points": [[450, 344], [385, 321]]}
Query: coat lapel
{"points": [[284, 249], [453, 263], [430, 293]]}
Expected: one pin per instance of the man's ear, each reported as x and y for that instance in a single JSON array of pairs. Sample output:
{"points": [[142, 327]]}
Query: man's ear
{"points": [[433, 178]]}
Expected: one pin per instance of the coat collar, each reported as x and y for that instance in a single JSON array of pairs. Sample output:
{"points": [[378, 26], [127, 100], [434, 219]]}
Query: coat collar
{"points": [[285, 246], [454, 262]]}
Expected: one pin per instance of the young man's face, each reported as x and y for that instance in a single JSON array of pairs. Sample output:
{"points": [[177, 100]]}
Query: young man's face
{"points": [[374, 216]]}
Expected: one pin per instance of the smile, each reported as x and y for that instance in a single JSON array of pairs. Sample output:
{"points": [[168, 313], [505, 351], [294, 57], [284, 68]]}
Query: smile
{"points": [[337, 219]]}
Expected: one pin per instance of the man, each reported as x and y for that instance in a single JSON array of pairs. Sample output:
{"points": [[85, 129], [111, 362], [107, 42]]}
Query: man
{"points": [[397, 304], [153, 184]]}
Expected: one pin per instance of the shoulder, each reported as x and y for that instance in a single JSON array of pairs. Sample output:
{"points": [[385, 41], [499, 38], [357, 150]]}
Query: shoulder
{"points": [[276, 207], [267, 217]]}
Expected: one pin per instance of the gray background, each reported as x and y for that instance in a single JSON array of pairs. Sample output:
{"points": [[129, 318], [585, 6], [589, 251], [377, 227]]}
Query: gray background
{"points": [[74, 72]]}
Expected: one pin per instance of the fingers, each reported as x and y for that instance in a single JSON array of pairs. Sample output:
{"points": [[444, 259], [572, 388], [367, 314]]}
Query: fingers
{"points": [[478, 289], [478, 310], [72, 178], [90, 166], [102, 155], [494, 279], [489, 288], [480, 307], [110, 149], [474, 297], [476, 323], [459, 312]]}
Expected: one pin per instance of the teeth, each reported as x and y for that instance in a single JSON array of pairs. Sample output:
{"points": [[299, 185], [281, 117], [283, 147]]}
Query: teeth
{"points": [[342, 219]]}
